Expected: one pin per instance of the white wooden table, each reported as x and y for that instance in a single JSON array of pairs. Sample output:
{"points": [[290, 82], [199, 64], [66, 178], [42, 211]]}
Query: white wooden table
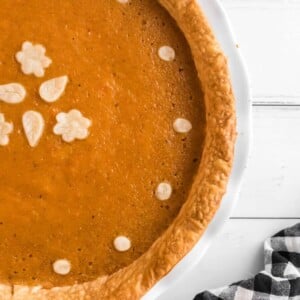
{"points": [[268, 32]]}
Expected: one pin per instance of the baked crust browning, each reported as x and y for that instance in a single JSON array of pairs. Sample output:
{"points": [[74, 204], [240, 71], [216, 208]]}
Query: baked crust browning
{"points": [[206, 192]]}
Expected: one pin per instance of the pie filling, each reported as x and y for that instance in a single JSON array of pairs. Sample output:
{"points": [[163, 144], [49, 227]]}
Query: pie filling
{"points": [[102, 124]]}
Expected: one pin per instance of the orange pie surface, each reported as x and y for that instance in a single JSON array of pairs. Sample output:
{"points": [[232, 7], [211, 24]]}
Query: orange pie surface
{"points": [[62, 200]]}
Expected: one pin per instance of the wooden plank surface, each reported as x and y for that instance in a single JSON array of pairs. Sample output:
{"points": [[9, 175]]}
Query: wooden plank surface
{"points": [[236, 254], [271, 186], [268, 33]]}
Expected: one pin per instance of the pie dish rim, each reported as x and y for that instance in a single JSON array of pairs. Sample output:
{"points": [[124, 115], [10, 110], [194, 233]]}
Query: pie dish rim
{"points": [[221, 25]]}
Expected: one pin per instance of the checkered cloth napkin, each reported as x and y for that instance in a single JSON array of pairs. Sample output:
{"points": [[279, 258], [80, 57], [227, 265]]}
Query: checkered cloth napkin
{"points": [[279, 281]]}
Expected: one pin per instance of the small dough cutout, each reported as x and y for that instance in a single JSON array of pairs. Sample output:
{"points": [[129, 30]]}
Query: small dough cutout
{"points": [[62, 267], [33, 59], [51, 90], [122, 243], [123, 1], [5, 129], [163, 191], [12, 93], [166, 53], [181, 125], [33, 124], [72, 125]]}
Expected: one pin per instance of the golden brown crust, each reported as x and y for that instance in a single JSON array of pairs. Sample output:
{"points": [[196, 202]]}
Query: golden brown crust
{"points": [[5, 292], [209, 183]]}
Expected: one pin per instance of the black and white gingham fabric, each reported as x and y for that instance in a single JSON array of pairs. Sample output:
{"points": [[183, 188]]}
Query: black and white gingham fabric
{"points": [[280, 279]]}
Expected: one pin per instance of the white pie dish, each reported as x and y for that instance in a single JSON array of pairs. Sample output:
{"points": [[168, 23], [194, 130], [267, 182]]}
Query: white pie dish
{"points": [[221, 26]]}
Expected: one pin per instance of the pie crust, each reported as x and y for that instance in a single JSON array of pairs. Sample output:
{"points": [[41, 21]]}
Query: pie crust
{"points": [[206, 192]]}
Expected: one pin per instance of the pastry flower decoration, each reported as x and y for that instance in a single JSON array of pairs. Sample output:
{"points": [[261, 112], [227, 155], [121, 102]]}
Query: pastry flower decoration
{"points": [[5, 129], [33, 59], [72, 125]]}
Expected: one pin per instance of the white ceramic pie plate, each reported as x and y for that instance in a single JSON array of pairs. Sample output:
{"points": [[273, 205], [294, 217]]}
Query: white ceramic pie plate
{"points": [[222, 28]]}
